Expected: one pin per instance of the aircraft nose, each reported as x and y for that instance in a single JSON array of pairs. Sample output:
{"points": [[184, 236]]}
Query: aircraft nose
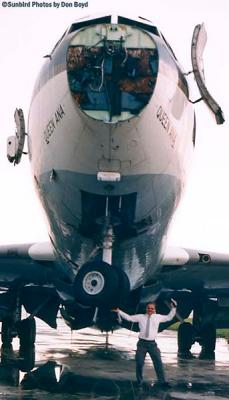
{"points": [[112, 71]]}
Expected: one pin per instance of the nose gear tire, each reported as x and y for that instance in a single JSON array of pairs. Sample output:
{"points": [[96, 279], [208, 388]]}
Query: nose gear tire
{"points": [[96, 284]]}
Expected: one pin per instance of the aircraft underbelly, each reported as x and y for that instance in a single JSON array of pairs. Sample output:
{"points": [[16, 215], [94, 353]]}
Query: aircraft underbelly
{"points": [[76, 215]]}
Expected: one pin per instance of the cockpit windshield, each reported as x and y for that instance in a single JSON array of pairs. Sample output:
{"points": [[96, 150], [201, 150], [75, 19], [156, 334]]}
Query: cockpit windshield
{"points": [[112, 70]]}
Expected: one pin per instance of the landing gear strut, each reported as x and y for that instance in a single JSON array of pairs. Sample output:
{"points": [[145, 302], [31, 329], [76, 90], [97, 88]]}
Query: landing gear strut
{"points": [[8, 333], [13, 325], [202, 330], [9, 330], [99, 283], [27, 332], [208, 341], [186, 338]]}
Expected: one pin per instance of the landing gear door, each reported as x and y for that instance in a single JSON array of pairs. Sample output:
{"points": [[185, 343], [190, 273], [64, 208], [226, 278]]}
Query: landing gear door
{"points": [[199, 40]]}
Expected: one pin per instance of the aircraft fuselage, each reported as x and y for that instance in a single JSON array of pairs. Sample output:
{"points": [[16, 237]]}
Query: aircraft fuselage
{"points": [[110, 138]]}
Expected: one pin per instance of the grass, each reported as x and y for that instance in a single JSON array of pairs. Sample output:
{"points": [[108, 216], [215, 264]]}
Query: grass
{"points": [[221, 333]]}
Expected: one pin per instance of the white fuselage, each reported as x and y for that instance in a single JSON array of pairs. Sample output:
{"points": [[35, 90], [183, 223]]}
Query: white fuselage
{"points": [[151, 152]]}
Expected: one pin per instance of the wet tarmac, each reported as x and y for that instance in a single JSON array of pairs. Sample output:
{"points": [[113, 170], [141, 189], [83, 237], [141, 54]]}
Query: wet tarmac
{"points": [[79, 366]]}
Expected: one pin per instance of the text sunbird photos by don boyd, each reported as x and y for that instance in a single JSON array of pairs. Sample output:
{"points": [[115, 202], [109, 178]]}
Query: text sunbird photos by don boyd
{"points": [[44, 4]]}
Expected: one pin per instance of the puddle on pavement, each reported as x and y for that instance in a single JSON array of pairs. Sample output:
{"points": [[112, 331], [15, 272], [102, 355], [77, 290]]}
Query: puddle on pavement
{"points": [[79, 366]]}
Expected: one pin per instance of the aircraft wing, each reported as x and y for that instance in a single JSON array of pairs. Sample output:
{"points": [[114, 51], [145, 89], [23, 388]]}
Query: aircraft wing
{"points": [[28, 262], [30, 269], [193, 277], [181, 256], [197, 271]]}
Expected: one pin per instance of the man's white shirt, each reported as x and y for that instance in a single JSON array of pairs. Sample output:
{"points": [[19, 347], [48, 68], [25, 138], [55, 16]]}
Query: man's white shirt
{"points": [[155, 320]]}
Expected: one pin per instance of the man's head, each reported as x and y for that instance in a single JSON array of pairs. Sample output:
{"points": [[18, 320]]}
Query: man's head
{"points": [[150, 308]]}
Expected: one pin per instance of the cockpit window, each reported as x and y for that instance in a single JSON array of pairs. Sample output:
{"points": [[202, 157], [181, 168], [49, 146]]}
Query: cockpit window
{"points": [[112, 70]]}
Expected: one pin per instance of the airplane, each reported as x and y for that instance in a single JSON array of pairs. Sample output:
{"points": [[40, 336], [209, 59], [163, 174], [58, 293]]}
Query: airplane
{"points": [[111, 131]]}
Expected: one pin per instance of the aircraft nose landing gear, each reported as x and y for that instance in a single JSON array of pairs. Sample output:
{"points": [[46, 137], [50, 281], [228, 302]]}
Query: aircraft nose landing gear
{"points": [[100, 284], [93, 282]]}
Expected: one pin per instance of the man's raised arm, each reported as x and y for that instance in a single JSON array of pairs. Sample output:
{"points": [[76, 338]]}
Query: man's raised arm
{"points": [[127, 317]]}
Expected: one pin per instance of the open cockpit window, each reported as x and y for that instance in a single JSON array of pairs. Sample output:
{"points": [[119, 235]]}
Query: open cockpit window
{"points": [[112, 70]]}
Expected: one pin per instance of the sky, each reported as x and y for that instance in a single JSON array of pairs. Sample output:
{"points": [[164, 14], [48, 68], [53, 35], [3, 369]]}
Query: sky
{"points": [[29, 33]]}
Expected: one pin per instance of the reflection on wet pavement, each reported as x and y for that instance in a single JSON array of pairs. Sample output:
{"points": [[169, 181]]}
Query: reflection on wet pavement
{"points": [[79, 366]]}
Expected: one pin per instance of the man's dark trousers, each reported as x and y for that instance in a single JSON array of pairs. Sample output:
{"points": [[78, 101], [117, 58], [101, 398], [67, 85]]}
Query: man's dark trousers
{"points": [[144, 347]]}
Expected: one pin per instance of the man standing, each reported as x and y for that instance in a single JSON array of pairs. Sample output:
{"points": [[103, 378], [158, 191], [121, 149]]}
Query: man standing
{"points": [[149, 326]]}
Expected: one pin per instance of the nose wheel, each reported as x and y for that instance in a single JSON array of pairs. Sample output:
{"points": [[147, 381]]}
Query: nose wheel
{"points": [[96, 284], [93, 283], [100, 284]]}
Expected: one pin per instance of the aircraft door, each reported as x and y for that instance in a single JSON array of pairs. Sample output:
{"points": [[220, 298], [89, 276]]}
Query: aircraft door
{"points": [[199, 40]]}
